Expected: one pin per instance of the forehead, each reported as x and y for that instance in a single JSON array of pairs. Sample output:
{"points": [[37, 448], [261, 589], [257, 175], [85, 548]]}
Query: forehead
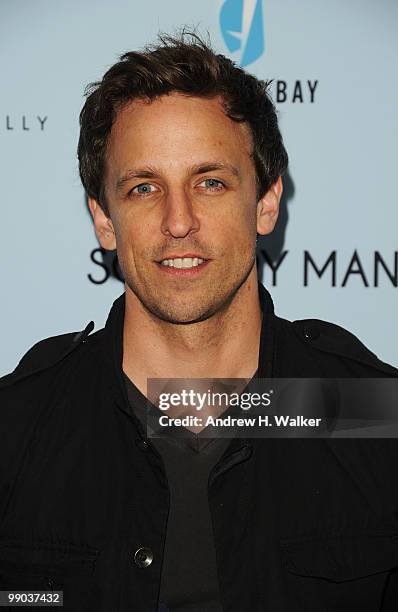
{"points": [[179, 126]]}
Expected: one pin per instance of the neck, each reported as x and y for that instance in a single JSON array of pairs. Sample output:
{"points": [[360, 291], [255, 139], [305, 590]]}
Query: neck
{"points": [[226, 345]]}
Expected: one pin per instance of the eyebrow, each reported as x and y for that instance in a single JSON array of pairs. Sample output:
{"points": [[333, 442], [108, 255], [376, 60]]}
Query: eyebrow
{"points": [[149, 172]]}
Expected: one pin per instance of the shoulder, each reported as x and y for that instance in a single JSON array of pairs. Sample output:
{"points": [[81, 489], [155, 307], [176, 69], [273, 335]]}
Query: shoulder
{"points": [[46, 353], [25, 391], [329, 343]]}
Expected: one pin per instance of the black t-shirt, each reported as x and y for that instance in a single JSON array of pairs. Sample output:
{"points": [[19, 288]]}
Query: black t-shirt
{"points": [[189, 580]]}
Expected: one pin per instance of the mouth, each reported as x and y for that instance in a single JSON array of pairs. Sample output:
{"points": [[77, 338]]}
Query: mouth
{"points": [[184, 265]]}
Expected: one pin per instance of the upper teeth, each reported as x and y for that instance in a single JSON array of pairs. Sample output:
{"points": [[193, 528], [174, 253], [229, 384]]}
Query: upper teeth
{"points": [[185, 262]]}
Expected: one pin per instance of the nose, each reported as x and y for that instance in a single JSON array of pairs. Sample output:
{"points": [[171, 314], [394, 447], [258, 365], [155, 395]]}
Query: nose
{"points": [[179, 218]]}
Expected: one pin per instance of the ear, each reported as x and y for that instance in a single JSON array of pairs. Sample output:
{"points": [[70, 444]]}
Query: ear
{"points": [[268, 208], [103, 226]]}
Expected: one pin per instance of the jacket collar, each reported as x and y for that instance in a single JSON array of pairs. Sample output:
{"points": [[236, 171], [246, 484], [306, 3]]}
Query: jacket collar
{"points": [[267, 336]]}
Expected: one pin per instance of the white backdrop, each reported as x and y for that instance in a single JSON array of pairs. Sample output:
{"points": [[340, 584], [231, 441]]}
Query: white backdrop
{"points": [[341, 139]]}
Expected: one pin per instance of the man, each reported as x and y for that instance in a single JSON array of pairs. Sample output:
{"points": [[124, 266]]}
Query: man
{"points": [[181, 157]]}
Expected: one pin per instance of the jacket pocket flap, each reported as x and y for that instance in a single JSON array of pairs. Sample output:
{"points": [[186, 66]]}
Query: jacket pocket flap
{"points": [[39, 555], [343, 557]]}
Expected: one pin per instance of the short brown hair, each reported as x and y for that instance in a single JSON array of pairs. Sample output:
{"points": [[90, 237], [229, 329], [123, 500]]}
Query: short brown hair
{"points": [[185, 64]]}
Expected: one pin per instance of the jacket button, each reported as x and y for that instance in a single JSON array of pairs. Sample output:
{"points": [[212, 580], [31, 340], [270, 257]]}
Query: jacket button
{"points": [[311, 332], [143, 557]]}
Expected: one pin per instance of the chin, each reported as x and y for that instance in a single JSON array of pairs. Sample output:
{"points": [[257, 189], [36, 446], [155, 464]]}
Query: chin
{"points": [[182, 316]]}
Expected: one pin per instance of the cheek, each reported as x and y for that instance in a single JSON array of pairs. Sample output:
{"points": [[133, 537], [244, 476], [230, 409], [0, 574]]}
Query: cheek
{"points": [[242, 226], [130, 234]]}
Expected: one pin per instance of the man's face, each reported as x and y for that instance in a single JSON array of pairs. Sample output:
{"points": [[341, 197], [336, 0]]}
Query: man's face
{"points": [[180, 185]]}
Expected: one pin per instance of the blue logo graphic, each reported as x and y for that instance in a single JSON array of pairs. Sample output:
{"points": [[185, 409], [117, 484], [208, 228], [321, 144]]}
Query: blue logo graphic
{"points": [[241, 23]]}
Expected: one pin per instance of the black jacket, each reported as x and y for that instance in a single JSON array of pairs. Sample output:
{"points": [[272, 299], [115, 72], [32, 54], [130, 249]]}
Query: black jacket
{"points": [[299, 524]]}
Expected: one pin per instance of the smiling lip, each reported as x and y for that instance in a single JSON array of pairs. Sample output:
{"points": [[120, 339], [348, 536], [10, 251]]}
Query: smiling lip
{"points": [[183, 272], [176, 256]]}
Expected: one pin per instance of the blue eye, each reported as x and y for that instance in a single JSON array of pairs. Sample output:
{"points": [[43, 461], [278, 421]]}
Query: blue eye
{"points": [[213, 184], [143, 189]]}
